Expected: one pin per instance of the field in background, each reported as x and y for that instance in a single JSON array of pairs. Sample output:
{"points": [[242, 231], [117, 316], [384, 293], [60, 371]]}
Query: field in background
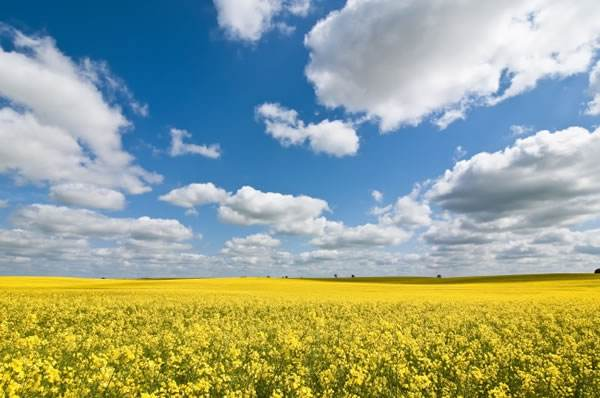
{"points": [[480, 336]]}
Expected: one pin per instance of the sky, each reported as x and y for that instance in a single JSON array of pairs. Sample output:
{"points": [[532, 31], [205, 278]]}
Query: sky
{"points": [[299, 137]]}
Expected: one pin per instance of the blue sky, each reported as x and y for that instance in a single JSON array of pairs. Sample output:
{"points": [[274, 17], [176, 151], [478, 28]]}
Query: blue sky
{"points": [[355, 92]]}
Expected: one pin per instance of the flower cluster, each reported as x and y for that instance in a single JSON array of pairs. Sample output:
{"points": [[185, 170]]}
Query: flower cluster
{"points": [[237, 338]]}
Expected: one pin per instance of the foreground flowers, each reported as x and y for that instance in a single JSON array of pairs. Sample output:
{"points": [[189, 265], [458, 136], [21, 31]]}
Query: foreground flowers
{"points": [[263, 338]]}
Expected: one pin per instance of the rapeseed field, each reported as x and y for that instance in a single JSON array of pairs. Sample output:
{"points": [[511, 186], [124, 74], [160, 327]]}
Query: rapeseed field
{"points": [[259, 337]]}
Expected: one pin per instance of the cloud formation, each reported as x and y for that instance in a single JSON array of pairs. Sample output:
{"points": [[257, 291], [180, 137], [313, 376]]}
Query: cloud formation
{"points": [[518, 130], [284, 213], [407, 212], [88, 195], [179, 148], [46, 239], [411, 60], [531, 207], [548, 179], [303, 215], [339, 236], [334, 138], [377, 195], [257, 249], [593, 106], [249, 20], [70, 137], [193, 195], [65, 221]]}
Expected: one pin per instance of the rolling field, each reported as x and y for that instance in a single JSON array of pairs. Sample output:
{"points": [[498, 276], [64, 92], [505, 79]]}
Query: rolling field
{"points": [[523, 336]]}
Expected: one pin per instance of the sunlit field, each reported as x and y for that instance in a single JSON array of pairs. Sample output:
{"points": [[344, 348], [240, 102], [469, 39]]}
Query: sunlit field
{"points": [[526, 336]]}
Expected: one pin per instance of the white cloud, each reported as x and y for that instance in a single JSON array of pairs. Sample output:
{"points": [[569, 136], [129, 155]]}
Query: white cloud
{"points": [[593, 106], [249, 20], [404, 61], [57, 125], [459, 153], [284, 213], [338, 236], [246, 20], [299, 7], [251, 242], [58, 240], [36, 252], [319, 255], [545, 179], [459, 246], [518, 130], [55, 240], [450, 116], [193, 195], [3, 203], [178, 147], [377, 196], [303, 215], [256, 253], [335, 137], [88, 195], [64, 221], [100, 74], [254, 249], [453, 232], [357, 261], [408, 211], [531, 207], [248, 206], [23, 244]]}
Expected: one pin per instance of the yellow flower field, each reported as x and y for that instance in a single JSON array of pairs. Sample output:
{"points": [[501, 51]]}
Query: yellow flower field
{"points": [[252, 337]]}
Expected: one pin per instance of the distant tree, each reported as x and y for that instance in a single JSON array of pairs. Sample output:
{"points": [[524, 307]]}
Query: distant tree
{"points": [[268, 276], [285, 277], [335, 275], [597, 271], [353, 275], [439, 275]]}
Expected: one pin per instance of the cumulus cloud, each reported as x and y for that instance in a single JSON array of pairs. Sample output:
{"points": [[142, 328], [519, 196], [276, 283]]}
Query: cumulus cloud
{"points": [[409, 211], [65, 221], [356, 261], [193, 195], [114, 87], [301, 215], [404, 61], [257, 249], [249, 206], [459, 153], [25, 246], [54, 240], [545, 179], [299, 7], [518, 130], [593, 106], [335, 137], [528, 208], [249, 20], [71, 136], [377, 196], [453, 232], [457, 245], [36, 252], [284, 213], [339, 236], [178, 147], [88, 195]]}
